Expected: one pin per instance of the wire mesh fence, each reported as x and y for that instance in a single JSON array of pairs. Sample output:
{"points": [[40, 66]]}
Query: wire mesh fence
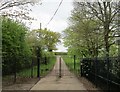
{"points": [[16, 68], [106, 70]]}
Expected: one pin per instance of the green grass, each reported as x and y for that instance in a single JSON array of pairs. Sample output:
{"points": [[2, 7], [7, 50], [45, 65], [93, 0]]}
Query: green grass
{"points": [[70, 63], [26, 73], [44, 69]]}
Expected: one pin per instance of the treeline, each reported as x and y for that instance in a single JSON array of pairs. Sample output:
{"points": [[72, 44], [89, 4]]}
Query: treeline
{"points": [[20, 45], [60, 53], [93, 29]]}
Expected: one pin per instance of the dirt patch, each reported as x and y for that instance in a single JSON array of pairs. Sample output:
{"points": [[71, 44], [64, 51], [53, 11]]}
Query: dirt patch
{"points": [[21, 84]]}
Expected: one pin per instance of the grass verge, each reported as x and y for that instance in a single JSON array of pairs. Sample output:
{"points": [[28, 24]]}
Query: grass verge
{"points": [[26, 73], [70, 63], [44, 69]]}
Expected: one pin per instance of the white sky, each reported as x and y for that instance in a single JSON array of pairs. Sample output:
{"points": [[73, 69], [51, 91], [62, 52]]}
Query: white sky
{"points": [[44, 12]]}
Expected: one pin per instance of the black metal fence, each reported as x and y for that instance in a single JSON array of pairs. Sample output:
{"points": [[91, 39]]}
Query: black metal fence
{"points": [[105, 71], [15, 68]]}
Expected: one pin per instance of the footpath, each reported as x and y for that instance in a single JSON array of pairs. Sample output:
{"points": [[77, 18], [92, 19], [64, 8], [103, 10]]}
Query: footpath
{"points": [[52, 81]]}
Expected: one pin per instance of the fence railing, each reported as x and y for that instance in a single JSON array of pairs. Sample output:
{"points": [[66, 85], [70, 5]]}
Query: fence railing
{"points": [[102, 69], [14, 68]]}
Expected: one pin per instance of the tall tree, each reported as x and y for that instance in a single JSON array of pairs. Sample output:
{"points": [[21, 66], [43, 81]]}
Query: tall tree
{"points": [[13, 45], [45, 39], [49, 39], [107, 13], [101, 20], [85, 39]]}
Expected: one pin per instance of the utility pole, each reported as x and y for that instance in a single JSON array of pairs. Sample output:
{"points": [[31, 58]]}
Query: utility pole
{"points": [[38, 58], [40, 26]]}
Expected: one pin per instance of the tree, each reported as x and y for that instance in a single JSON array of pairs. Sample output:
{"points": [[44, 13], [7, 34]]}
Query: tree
{"points": [[14, 46], [48, 38], [31, 40], [45, 39], [107, 13], [17, 9], [84, 39], [100, 32]]}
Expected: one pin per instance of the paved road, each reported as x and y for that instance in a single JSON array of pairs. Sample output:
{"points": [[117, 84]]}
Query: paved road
{"points": [[52, 81]]}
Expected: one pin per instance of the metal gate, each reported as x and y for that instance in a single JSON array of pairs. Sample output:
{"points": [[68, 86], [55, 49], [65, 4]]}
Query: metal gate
{"points": [[63, 68]]}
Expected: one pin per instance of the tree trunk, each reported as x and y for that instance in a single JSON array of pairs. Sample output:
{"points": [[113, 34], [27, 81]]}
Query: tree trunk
{"points": [[106, 38], [106, 46]]}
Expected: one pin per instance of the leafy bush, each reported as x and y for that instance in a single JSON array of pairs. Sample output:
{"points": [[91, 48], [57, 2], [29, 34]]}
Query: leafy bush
{"points": [[14, 47]]}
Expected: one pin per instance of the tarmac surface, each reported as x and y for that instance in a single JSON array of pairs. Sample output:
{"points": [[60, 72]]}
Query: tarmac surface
{"points": [[53, 81]]}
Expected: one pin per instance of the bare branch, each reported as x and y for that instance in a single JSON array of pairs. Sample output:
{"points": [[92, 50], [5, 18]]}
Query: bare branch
{"points": [[8, 5], [94, 11], [101, 10]]}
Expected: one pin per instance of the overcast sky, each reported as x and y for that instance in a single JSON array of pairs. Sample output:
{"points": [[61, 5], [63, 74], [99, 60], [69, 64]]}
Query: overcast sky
{"points": [[44, 12]]}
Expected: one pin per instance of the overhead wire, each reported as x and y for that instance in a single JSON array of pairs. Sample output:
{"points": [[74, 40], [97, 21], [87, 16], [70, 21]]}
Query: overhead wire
{"points": [[54, 13]]}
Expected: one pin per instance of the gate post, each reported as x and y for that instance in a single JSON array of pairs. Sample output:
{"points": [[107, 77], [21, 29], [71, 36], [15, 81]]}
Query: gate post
{"points": [[38, 62], [108, 65], [81, 67], [60, 67], [15, 74], [32, 67], [96, 71], [81, 64], [74, 61]]}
